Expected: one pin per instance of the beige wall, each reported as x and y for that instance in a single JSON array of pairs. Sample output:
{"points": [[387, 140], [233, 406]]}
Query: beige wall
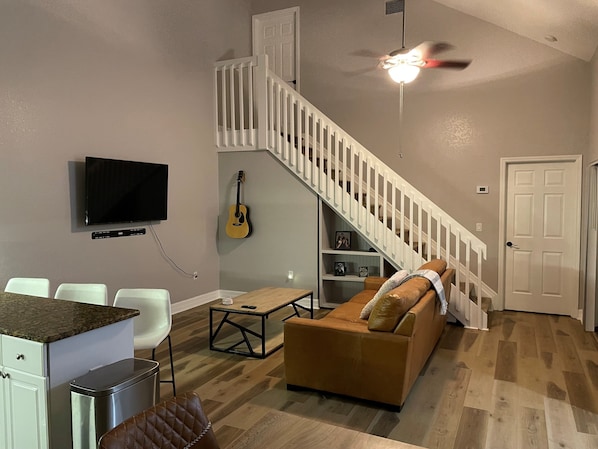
{"points": [[123, 79], [284, 220], [518, 98], [593, 153]]}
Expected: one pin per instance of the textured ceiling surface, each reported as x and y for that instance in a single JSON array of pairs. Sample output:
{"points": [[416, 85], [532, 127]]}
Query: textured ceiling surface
{"points": [[498, 51], [574, 23]]}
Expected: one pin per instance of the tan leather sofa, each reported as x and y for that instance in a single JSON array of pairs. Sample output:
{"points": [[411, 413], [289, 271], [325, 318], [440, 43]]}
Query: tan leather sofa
{"points": [[378, 359]]}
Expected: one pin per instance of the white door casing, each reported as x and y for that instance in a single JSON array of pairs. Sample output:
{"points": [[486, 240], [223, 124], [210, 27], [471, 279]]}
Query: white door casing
{"points": [[276, 34], [540, 215], [591, 271]]}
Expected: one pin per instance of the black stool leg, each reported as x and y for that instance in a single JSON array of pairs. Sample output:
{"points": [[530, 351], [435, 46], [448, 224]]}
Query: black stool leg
{"points": [[171, 365]]}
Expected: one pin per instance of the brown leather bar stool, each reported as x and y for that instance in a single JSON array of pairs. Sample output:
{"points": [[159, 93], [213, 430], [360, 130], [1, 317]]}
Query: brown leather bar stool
{"points": [[177, 423]]}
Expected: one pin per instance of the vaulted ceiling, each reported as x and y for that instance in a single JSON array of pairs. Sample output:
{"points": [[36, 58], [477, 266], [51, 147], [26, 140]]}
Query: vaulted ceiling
{"points": [[504, 39], [570, 26]]}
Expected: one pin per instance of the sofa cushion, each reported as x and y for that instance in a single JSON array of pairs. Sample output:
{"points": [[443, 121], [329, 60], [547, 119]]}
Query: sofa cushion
{"points": [[348, 311], [391, 283], [363, 297], [391, 308], [373, 283]]}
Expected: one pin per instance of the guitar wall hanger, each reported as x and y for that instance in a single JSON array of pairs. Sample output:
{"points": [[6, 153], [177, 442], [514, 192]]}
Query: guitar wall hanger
{"points": [[237, 226]]}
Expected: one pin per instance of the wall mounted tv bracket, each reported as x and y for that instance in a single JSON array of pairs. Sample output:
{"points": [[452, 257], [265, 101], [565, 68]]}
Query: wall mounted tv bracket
{"points": [[117, 233]]}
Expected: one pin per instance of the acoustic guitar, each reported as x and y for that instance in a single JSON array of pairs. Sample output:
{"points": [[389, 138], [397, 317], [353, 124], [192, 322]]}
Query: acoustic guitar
{"points": [[237, 226]]}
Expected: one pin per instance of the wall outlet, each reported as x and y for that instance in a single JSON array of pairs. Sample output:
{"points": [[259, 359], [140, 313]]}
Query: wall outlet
{"points": [[478, 227], [195, 275]]}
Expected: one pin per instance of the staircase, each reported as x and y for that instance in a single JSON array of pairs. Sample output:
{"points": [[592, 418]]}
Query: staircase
{"points": [[256, 110]]}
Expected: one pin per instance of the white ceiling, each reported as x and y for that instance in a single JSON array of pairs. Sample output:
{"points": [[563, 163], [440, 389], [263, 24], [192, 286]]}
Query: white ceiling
{"points": [[574, 23]]}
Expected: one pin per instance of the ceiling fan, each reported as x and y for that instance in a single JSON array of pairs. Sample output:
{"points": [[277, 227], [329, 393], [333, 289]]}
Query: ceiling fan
{"points": [[403, 65]]}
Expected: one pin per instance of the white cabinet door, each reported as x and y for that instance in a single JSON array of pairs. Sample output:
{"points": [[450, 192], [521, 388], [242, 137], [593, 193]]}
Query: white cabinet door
{"points": [[3, 412], [3, 416], [25, 409]]}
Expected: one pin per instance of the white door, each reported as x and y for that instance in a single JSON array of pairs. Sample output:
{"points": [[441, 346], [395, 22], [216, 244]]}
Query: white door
{"points": [[542, 233], [276, 34]]}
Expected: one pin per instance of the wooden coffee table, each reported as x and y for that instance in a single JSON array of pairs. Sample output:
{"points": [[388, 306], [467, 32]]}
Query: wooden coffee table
{"points": [[264, 334]]}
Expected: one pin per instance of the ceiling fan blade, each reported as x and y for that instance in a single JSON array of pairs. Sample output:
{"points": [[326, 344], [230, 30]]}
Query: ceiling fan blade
{"points": [[429, 48], [360, 71], [367, 54], [436, 64]]}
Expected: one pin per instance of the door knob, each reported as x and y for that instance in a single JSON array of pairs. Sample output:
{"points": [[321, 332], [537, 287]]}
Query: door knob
{"points": [[512, 245]]}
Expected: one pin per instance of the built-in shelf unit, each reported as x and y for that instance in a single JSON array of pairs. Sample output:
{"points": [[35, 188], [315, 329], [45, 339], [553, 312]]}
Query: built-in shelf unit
{"points": [[335, 289]]}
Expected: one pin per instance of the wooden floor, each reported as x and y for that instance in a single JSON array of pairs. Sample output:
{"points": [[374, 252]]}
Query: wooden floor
{"points": [[529, 382]]}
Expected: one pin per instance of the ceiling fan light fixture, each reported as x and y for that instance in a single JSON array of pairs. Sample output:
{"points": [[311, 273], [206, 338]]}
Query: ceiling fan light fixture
{"points": [[403, 73]]}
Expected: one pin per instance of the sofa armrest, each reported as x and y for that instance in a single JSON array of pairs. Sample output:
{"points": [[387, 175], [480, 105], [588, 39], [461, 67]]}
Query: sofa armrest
{"points": [[427, 308], [425, 325], [373, 282]]}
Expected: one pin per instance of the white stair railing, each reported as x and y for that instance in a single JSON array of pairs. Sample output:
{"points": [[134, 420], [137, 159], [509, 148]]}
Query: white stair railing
{"points": [[255, 109]]}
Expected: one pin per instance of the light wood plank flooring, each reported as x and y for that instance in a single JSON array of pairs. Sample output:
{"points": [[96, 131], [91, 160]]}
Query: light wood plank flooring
{"points": [[529, 382]]}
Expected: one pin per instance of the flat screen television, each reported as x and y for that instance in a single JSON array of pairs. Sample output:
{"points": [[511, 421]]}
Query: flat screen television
{"points": [[119, 191]]}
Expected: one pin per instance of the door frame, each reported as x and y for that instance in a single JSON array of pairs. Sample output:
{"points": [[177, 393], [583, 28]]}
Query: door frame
{"points": [[590, 234], [272, 14], [505, 162]]}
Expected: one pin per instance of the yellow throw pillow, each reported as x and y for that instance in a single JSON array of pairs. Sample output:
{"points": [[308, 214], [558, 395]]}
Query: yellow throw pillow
{"points": [[390, 283], [391, 308]]}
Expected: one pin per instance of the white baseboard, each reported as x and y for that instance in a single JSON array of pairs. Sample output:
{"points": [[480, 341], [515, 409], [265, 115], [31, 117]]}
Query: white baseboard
{"points": [[305, 303], [186, 304]]}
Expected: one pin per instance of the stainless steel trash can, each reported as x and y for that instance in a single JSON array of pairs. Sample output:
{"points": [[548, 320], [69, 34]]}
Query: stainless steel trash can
{"points": [[105, 397]]}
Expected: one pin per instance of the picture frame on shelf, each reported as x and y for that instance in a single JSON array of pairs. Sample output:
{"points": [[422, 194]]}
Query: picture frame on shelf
{"points": [[342, 240], [340, 268], [363, 272]]}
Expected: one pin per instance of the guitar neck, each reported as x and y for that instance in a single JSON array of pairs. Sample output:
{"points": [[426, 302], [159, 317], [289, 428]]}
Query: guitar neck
{"points": [[240, 179], [238, 196]]}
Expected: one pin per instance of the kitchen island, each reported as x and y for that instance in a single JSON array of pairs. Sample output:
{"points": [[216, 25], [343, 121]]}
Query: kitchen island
{"points": [[44, 345]]}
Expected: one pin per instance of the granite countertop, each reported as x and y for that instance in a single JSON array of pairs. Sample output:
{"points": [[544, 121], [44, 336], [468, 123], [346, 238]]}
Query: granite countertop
{"points": [[47, 320]]}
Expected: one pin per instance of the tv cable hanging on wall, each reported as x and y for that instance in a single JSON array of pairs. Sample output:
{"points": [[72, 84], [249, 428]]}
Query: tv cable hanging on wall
{"points": [[167, 258]]}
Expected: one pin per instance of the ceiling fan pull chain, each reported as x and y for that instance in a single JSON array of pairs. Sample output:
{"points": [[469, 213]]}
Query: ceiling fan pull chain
{"points": [[401, 86], [403, 31]]}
